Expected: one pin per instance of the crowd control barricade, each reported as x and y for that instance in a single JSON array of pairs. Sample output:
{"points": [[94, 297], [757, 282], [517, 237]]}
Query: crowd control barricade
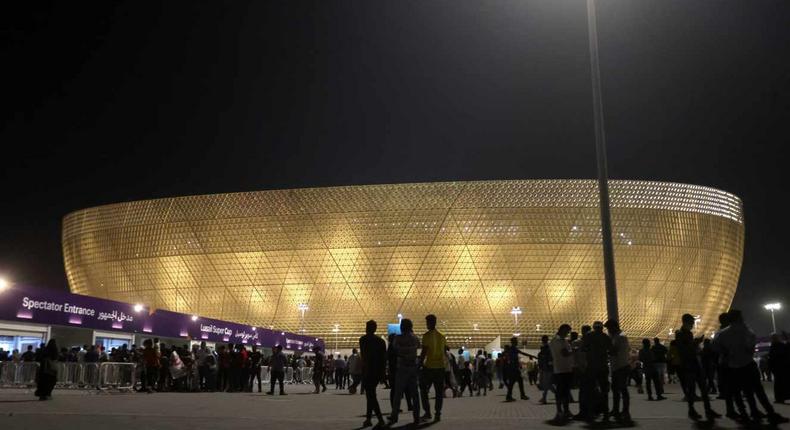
{"points": [[307, 375], [26, 373], [289, 375], [120, 376], [90, 375], [266, 376], [7, 373], [69, 375]]}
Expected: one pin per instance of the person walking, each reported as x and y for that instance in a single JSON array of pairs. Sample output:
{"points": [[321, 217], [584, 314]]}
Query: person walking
{"points": [[660, 359], [256, 359], [728, 390], [47, 375], [481, 376], [405, 347], [651, 374], [692, 374], [562, 360], [433, 365], [546, 378], [355, 370], [779, 363], [511, 369], [709, 358], [373, 360], [597, 346], [340, 372], [318, 370], [621, 369], [277, 363], [392, 371], [737, 343]]}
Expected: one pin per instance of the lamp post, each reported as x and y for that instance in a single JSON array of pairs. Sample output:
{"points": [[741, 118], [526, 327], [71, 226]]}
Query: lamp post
{"points": [[600, 151], [516, 311], [303, 308], [773, 307], [336, 330]]}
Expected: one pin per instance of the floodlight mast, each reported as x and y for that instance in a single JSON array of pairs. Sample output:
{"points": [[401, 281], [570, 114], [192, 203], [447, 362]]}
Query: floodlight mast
{"points": [[603, 181]]}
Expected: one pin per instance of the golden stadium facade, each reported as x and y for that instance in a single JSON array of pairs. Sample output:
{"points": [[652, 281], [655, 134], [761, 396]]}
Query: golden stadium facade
{"points": [[468, 252]]}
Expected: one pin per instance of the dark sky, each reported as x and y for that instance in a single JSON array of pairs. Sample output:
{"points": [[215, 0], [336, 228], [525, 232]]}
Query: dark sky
{"points": [[105, 102]]}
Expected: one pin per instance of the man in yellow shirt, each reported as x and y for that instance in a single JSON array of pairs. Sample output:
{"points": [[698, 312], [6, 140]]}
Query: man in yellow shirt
{"points": [[433, 360]]}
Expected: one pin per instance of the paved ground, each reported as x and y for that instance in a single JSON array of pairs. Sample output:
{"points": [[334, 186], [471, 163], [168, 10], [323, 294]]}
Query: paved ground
{"points": [[331, 410]]}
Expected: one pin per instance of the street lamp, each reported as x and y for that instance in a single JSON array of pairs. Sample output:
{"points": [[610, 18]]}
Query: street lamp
{"points": [[516, 311], [400, 318], [600, 151], [303, 308], [773, 307], [336, 330]]}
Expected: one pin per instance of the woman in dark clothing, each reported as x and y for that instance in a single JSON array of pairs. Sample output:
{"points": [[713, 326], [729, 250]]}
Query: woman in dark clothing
{"points": [[779, 362], [47, 371]]}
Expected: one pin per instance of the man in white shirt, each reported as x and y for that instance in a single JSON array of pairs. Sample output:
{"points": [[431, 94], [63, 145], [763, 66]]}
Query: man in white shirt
{"points": [[562, 358], [621, 368]]}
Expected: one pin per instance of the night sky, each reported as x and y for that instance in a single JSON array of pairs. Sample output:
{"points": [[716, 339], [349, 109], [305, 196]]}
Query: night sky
{"points": [[105, 102]]}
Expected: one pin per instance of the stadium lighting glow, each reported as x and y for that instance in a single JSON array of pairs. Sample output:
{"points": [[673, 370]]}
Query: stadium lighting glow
{"points": [[773, 307], [138, 308], [194, 317], [3, 284]]}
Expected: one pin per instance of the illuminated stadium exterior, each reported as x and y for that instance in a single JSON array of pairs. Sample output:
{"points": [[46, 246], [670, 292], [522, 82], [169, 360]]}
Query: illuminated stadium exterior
{"points": [[468, 252]]}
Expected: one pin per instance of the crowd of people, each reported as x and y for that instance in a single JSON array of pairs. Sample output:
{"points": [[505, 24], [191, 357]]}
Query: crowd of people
{"points": [[597, 361]]}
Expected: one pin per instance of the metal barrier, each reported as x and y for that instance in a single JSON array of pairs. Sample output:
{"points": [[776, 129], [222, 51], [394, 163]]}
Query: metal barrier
{"points": [[7, 373], [26, 373], [120, 376], [307, 375], [18, 374], [90, 375], [69, 375], [289, 375], [266, 376]]}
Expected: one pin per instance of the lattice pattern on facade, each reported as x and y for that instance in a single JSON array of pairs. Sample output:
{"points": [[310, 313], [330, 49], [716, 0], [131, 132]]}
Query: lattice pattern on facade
{"points": [[466, 251]]}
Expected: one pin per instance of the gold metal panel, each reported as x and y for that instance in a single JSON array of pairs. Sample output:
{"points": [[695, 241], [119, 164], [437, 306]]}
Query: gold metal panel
{"points": [[466, 251]]}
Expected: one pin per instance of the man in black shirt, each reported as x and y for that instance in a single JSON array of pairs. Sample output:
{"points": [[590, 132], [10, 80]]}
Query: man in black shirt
{"points": [[373, 353], [29, 355], [255, 368], [318, 370], [597, 346], [652, 377], [688, 348]]}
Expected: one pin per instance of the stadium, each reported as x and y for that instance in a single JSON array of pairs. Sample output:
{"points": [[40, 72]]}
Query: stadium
{"points": [[322, 261]]}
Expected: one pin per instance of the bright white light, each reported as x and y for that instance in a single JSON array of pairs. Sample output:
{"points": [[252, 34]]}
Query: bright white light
{"points": [[303, 307], [773, 306], [194, 317], [138, 308], [3, 284], [255, 329], [516, 334], [516, 310]]}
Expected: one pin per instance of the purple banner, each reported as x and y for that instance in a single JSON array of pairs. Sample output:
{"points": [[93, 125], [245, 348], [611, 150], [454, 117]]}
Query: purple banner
{"points": [[41, 306]]}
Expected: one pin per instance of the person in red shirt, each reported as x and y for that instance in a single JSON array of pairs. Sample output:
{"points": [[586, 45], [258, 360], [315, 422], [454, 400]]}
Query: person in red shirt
{"points": [[151, 362], [243, 363]]}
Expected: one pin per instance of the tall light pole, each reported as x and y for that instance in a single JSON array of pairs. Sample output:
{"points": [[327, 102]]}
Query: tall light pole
{"points": [[303, 308], [516, 311], [773, 307], [336, 330], [600, 151]]}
